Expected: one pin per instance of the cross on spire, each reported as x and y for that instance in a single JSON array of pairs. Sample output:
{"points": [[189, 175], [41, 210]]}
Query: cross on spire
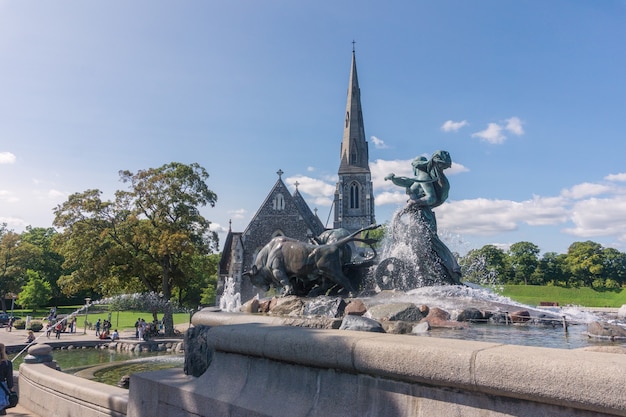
{"points": [[353, 42], [280, 173], [296, 184]]}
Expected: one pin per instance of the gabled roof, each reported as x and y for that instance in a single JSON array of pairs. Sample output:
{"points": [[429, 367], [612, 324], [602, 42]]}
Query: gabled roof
{"points": [[225, 259], [313, 222], [295, 201]]}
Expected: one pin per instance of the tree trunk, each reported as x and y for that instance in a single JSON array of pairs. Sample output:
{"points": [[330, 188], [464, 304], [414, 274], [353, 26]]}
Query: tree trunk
{"points": [[168, 320]]}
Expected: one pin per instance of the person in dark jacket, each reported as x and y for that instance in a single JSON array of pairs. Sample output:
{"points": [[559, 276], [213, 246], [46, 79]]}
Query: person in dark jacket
{"points": [[6, 372]]}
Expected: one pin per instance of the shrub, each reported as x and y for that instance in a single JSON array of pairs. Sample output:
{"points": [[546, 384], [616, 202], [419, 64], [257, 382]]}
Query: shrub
{"points": [[36, 325], [19, 324]]}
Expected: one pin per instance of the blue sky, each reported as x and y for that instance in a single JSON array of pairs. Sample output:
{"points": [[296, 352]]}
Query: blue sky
{"points": [[529, 98]]}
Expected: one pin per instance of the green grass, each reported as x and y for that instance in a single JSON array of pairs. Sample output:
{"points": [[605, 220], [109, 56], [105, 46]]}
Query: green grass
{"points": [[119, 320], [586, 297]]}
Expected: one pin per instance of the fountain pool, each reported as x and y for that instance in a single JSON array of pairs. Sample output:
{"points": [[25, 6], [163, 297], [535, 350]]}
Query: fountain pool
{"points": [[545, 329]]}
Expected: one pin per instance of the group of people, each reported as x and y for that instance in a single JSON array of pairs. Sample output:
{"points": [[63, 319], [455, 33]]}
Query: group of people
{"points": [[60, 326], [103, 330], [144, 330]]}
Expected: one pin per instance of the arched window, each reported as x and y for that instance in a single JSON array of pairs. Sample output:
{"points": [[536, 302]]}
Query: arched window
{"points": [[354, 195], [279, 202]]}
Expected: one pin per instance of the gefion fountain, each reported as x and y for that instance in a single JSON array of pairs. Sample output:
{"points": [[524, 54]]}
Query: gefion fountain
{"points": [[297, 356]]}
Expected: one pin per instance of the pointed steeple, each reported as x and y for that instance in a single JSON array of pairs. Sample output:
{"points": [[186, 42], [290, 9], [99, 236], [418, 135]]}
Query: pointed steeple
{"points": [[354, 149], [354, 193]]}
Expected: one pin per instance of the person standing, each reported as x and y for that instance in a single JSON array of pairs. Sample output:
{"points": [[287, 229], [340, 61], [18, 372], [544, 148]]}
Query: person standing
{"points": [[10, 323], [142, 329], [58, 328], [6, 373], [98, 327], [137, 328]]}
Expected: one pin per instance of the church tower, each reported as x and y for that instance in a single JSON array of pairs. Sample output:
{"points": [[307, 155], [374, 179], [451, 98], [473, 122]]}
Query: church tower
{"points": [[354, 194]]}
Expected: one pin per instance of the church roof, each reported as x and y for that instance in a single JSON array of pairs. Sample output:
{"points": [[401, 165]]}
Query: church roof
{"points": [[226, 258], [291, 205], [313, 222]]}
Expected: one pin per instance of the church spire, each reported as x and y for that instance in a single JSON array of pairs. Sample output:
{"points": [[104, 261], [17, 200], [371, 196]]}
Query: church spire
{"points": [[354, 149], [354, 193]]}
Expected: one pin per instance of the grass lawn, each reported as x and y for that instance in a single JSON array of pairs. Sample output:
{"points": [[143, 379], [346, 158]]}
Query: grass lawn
{"points": [[120, 320], [586, 297]]}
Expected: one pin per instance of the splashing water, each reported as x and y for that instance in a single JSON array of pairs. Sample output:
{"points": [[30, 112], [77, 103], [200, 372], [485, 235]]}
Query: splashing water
{"points": [[230, 301]]}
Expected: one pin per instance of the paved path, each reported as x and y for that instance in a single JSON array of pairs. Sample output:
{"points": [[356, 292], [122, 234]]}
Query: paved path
{"points": [[18, 337]]}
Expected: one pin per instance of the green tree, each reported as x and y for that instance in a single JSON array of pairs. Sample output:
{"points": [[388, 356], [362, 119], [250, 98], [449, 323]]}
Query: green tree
{"points": [[486, 265], [203, 278], [585, 262], [36, 293], [15, 257], [44, 259], [551, 269], [523, 257], [614, 266], [149, 234]]}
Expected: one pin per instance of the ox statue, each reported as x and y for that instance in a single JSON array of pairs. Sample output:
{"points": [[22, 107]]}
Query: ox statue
{"points": [[301, 268]]}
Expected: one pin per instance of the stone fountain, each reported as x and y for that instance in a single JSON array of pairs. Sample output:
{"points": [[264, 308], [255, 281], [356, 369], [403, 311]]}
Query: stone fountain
{"points": [[297, 356]]}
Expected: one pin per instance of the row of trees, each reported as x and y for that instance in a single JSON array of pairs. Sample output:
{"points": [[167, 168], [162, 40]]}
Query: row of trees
{"points": [[150, 238], [585, 264]]}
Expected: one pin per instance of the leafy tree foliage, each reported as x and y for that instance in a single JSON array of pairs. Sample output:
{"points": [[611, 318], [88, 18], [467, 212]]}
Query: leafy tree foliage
{"points": [[43, 259], [486, 265], [149, 236], [523, 258], [36, 293], [585, 262], [551, 270], [15, 258]]}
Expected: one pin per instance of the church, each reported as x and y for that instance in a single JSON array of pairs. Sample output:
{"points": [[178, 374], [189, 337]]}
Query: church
{"points": [[286, 214]]}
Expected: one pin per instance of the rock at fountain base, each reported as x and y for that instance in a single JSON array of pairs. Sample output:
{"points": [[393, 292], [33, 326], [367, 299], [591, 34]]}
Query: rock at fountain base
{"points": [[606, 331]]}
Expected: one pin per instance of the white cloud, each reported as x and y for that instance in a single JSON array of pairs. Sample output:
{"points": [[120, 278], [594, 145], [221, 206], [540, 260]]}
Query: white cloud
{"points": [[310, 169], [585, 190], [218, 228], [7, 158], [237, 214], [381, 168], [514, 125], [55, 194], [389, 197], [14, 222], [378, 143], [450, 126], [317, 189], [8, 196], [599, 217], [493, 134], [621, 177], [456, 169]]}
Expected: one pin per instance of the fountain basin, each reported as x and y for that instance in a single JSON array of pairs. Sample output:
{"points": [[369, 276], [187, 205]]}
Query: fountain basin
{"points": [[260, 367]]}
